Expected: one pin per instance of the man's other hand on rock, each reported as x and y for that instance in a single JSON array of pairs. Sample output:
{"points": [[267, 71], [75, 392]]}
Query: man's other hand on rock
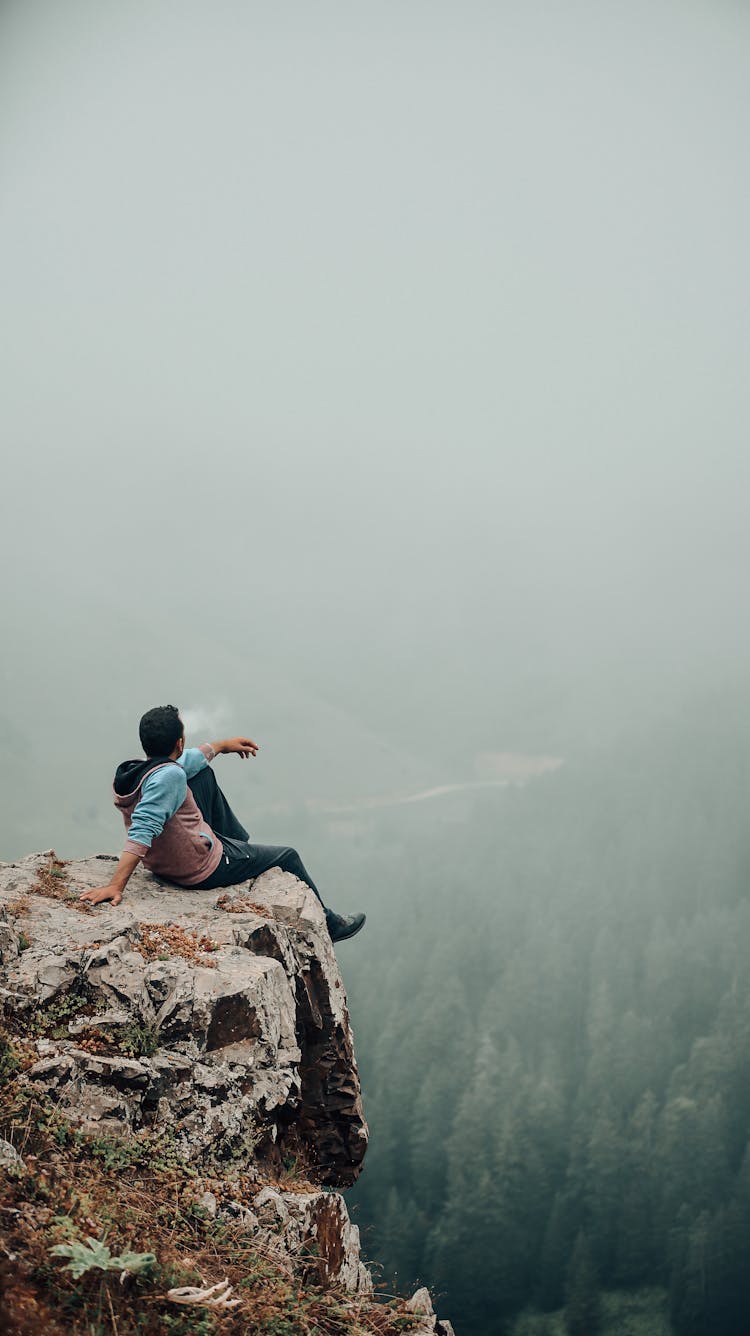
{"points": [[114, 889], [98, 894]]}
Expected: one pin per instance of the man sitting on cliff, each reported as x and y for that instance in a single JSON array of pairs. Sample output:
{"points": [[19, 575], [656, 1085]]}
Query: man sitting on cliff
{"points": [[181, 825]]}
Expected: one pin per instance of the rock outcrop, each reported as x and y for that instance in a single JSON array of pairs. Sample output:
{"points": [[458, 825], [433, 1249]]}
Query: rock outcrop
{"points": [[220, 1014], [214, 1020]]}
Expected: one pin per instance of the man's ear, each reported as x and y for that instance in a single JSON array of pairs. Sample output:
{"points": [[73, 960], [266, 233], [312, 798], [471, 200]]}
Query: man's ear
{"points": [[181, 745]]}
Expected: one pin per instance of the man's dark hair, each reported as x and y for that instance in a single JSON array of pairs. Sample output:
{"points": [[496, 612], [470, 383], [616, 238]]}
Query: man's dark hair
{"points": [[160, 730]]}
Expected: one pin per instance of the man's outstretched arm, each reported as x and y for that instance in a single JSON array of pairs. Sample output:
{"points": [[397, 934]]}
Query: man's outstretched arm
{"points": [[114, 889], [244, 747]]}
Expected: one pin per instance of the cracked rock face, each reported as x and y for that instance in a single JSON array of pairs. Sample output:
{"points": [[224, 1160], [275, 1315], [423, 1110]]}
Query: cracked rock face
{"points": [[421, 1304], [219, 1016], [319, 1223]]}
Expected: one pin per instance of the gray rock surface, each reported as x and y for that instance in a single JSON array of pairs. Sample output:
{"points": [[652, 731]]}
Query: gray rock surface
{"points": [[9, 1157], [219, 1015], [421, 1305], [317, 1222]]}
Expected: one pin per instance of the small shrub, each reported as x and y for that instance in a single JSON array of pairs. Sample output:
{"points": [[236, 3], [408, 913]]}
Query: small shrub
{"points": [[52, 883], [93, 1254], [19, 908], [160, 941], [138, 1040], [9, 1062], [51, 1021]]}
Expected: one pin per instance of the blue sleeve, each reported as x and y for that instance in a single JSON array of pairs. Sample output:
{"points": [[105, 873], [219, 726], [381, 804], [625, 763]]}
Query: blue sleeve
{"points": [[163, 793], [192, 760]]}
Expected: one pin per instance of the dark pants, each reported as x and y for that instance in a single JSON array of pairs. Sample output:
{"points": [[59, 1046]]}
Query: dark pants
{"points": [[240, 859]]}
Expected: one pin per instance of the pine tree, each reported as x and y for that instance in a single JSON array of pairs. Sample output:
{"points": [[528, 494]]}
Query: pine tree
{"points": [[582, 1302]]}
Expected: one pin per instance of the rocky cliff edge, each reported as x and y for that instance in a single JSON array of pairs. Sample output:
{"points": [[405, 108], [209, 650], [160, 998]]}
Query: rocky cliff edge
{"points": [[197, 1043]]}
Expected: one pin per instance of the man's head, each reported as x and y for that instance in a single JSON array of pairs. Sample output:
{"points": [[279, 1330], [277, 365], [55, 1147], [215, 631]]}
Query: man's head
{"points": [[160, 730]]}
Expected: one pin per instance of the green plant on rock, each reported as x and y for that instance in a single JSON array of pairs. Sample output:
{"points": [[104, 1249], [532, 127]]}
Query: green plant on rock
{"points": [[65, 1224], [92, 1254], [188, 1324], [52, 1019], [138, 1040], [113, 1152], [237, 1147], [160, 1150], [9, 1063], [167, 1154]]}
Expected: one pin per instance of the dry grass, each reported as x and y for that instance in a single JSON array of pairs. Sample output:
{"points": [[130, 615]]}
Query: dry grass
{"points": [[52, 883], [19, 908], [139, 1195], [94, 1040], [159, 940], [239, 904]]}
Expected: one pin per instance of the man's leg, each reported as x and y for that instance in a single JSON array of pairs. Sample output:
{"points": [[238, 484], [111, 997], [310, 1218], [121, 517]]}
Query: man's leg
{"points": [[241, 860], [214, 805]]}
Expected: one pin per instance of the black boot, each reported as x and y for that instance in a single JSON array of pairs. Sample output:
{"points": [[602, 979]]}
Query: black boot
{"points": [[341, 926]]}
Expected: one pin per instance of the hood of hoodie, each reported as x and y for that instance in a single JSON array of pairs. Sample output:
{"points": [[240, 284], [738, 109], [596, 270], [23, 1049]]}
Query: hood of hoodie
{"points": [[130, 774]]}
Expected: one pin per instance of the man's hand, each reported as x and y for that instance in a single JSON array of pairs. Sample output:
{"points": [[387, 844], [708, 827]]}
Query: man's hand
{"points": [[100, 893], [123, 872], [243, 747]]}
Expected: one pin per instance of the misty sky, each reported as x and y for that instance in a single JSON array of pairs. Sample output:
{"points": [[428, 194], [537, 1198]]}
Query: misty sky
{"points": [[402, 348]]}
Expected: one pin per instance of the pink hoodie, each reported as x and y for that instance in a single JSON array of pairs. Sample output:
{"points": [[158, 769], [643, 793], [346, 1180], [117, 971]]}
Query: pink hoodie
{"points": [[187, 850]]}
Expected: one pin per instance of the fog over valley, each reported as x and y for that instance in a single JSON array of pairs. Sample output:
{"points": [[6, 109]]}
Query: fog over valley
{"points": [[374, 383]]}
